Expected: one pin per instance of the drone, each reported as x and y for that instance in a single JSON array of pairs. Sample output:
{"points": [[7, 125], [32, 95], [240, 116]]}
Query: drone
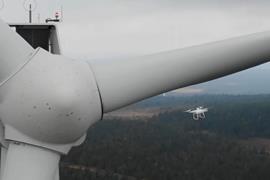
{"points": [[48, 101], [198, 113]]}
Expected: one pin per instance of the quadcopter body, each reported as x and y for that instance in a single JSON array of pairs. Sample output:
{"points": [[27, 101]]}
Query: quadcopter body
{"points": [[198, 113]]}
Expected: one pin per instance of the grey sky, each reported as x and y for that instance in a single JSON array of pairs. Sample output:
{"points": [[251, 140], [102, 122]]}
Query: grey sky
{"points": [[106, 28], [100, 29]]}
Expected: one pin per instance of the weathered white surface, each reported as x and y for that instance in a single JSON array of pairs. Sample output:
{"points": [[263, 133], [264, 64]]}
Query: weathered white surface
{"points": [[12, 134], [125, 82], [47, 103], [14, 51], [26, 162], [3, 161], [53, 99]]}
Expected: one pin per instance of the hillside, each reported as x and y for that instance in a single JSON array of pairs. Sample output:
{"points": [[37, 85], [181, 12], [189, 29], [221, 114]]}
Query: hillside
{"points": [[232, 143]]}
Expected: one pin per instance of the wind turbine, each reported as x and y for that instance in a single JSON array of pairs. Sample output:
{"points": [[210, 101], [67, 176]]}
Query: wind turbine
{"points": [[47, 102]]}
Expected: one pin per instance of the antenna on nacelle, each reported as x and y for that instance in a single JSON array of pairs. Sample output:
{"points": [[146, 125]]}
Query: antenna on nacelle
{"points": [[38, 17], [2, 4], [30, 6], [57, 18]]}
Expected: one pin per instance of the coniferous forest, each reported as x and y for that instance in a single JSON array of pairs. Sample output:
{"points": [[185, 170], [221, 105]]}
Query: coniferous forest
{"points": [[230, 144]]}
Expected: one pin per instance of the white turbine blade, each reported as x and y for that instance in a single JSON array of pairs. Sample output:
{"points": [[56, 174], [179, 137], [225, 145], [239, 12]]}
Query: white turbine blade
{"points": [[3, 161], [125, 82], [27, 162], [14, 51]]}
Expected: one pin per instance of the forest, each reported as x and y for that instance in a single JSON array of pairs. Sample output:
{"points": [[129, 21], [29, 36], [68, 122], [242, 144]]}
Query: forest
{"points": [[170, 145]]}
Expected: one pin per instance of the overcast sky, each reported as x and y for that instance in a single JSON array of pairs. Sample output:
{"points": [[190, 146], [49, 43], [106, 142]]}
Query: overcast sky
{"points": [[113, 28], [104, 29]]}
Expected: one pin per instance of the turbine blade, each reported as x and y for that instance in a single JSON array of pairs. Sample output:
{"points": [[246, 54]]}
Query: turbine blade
{"points": [[27, 162], [125, 82], [14, 51]]}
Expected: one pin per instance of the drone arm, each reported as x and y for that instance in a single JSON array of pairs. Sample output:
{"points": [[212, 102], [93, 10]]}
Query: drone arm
{"points": [[125, 82]]}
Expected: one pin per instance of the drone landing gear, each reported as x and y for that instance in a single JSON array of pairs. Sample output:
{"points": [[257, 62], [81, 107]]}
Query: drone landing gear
{"points": [[202, 115], [196, 117]]}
